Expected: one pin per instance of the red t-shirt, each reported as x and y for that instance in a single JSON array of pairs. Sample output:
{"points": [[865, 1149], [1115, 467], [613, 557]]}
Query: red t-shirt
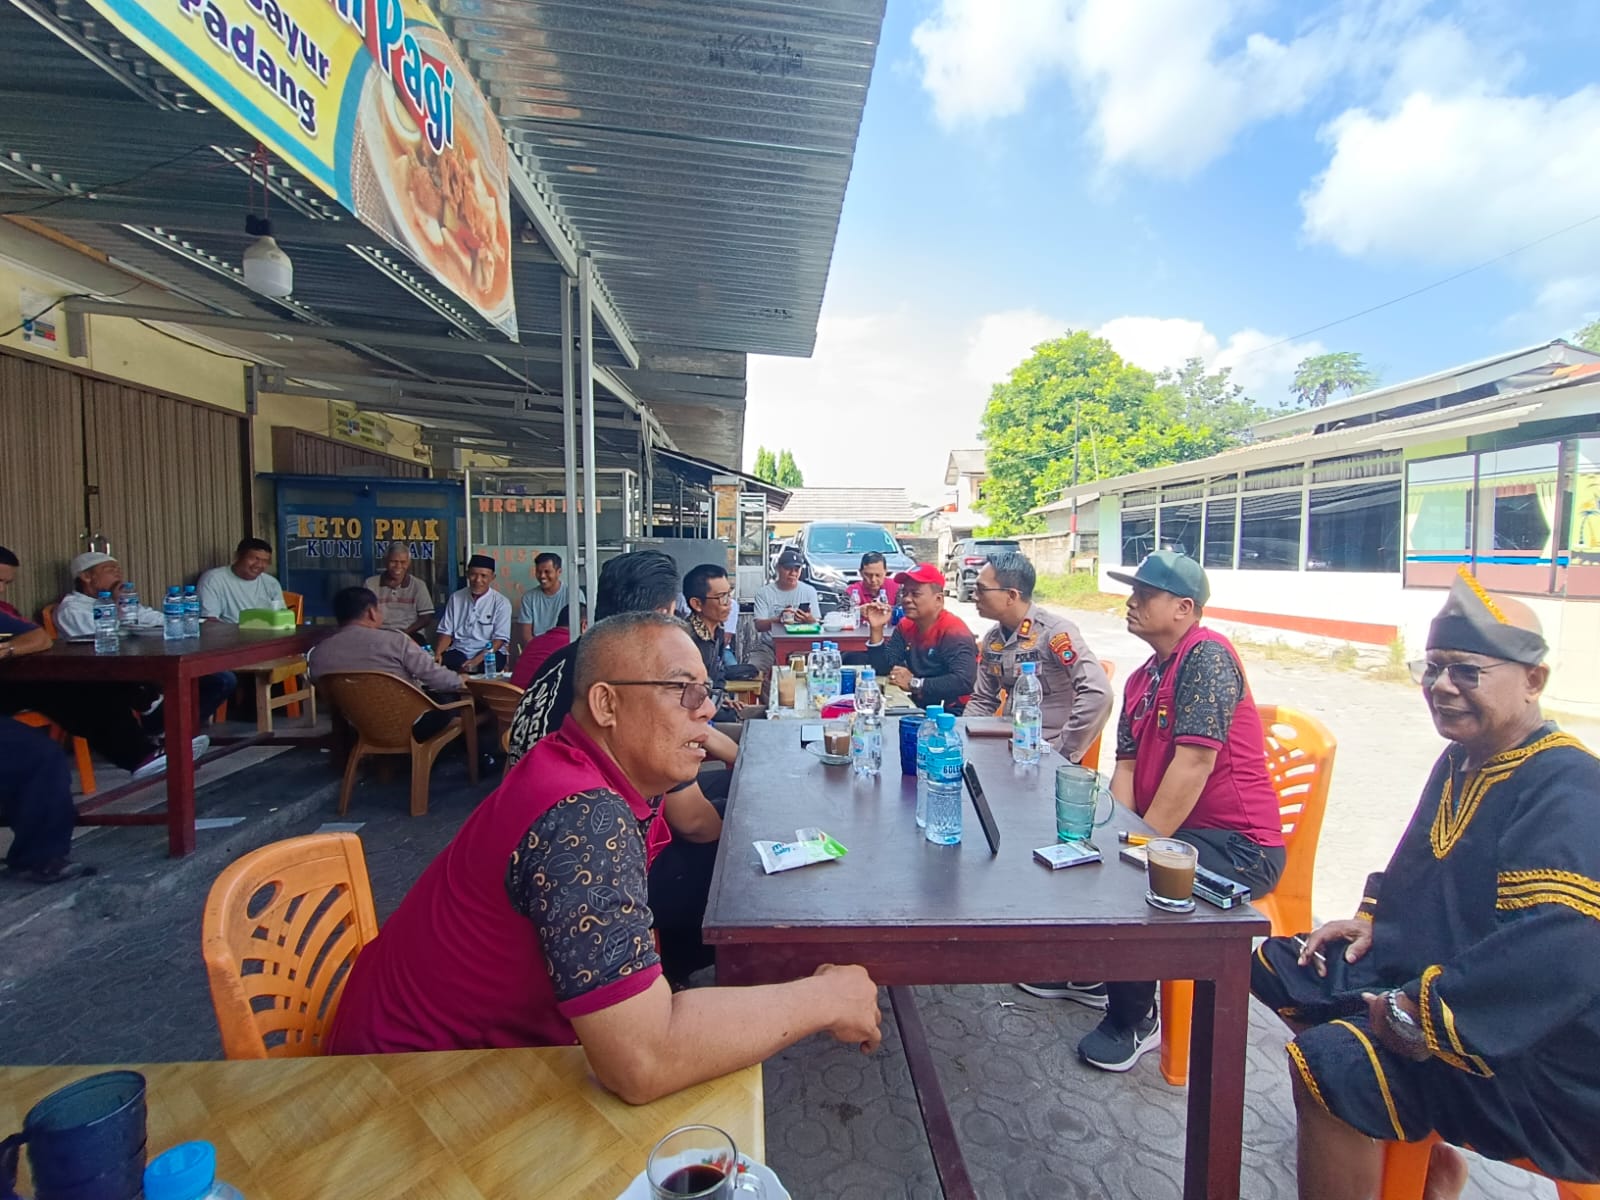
{"points": [[858, 592], [458, 967], [536, 652]]}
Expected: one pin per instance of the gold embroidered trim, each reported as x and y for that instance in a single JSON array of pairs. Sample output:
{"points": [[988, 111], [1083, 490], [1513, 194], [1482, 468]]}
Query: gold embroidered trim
{"points": [[1450, 821], [1478, 590], [1505, 904], [1456, 1053], [1363, 915], [1383, 1081], [1262, 959], [1528, 889], [1298, 1057]]}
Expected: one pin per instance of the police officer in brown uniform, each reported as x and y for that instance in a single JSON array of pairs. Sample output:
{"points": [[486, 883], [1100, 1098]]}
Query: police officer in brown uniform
{"points": [[1077, 693]]}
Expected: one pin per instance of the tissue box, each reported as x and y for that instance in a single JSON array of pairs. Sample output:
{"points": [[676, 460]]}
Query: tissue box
{"points": [[266, 618]]}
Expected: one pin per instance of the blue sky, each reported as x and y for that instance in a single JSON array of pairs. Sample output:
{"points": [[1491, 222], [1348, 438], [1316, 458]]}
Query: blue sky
{"points": [[1190, 177]]}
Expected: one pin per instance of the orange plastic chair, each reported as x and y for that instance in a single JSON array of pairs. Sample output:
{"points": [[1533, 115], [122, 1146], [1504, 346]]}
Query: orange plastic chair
{"points": [[80, 748], [282, 927], [1300, 752], [1405, 1171], [1091, 756], [382, 708], [269, 675], [47, 620]]}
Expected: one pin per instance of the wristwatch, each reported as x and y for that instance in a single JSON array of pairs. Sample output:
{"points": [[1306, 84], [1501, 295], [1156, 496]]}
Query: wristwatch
{"points": [[916, 683]]}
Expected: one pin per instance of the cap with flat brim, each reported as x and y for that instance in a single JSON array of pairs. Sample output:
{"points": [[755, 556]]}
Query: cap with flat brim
{"points": [[921, 573], [1169, 571]]}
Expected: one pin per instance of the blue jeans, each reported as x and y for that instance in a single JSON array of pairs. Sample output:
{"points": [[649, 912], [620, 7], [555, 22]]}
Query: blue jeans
{"points": [[35, 796]]}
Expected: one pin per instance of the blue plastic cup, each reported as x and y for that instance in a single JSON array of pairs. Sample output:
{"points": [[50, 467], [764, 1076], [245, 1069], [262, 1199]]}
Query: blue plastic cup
{"points": [[85, 1141], [909, 726], [847, 681]]}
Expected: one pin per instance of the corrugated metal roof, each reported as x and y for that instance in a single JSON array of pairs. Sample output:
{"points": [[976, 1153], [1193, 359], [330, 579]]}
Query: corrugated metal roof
{"points": [[966, 462], [699, 149], [889, 506]]}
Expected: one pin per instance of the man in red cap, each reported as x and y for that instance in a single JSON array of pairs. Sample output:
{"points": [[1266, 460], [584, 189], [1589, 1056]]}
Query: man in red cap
{"points": [[931, 653]]}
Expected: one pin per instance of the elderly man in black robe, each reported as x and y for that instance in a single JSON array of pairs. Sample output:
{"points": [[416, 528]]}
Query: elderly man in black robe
{"points": [[1463, 998]]}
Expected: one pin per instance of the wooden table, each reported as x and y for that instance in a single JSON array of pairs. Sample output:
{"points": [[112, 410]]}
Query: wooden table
{"points": [[460, 1125], [915, 913], [175, 667], [784, 644]]}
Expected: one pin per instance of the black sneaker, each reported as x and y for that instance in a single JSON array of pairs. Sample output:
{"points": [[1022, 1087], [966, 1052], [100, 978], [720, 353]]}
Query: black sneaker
{"points": [[1090, 995], [1112, 1048]]}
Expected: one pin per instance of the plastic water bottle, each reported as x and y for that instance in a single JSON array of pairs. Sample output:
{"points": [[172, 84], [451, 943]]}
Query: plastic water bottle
{"points": [[927, 737], [944, 796], [105, 624], [128, 606], [830, 670], [490, 666], [866, 735], [187, 1172], [191, 612], [1027, 716], [172, 616]]}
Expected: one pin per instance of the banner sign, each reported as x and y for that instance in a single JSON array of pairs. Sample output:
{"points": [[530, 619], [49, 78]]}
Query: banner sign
{"points": [[369, 101]]}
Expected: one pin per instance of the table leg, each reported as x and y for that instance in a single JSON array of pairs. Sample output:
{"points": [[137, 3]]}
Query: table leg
{"points": [[954, 1181], [180, 704], [1219, 1035]]}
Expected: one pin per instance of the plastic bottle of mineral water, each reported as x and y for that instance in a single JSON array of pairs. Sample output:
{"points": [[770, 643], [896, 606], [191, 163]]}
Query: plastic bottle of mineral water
{"points": [[191, 611], [105, 624], [835, 668], [927, 737], [866, 735], [128, 605], [490, 666], [172, 616], [1027, 715], [944, 796]]}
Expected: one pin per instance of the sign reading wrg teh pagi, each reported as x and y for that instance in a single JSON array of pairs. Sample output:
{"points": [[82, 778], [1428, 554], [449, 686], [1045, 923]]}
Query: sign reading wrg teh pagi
{"points": [[369, 101]]}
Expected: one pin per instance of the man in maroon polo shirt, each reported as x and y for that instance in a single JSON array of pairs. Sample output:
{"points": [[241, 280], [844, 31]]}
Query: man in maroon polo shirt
{"points": [[1192, 761], [532, 928]]}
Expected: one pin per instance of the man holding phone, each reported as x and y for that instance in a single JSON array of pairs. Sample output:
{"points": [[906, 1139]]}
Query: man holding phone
{"points": [[785, 601]]}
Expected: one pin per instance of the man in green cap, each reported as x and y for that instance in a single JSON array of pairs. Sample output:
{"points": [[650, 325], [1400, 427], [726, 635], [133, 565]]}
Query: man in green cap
{"points": [[1192, 761], [1460, 999]]}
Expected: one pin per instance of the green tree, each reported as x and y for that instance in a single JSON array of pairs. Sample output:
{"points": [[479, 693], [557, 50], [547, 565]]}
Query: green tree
{"points": [[1317, 378], [1122, 418], [789, 475], [1588, 337], [766, 465]]}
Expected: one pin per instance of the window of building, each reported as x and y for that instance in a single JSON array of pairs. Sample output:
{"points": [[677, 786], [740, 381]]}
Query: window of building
{"points": [[1438, 520], [1516, 517], [1354, 527], [1269, 532], [1138, 535], [1222, 522], [1180, 528]]}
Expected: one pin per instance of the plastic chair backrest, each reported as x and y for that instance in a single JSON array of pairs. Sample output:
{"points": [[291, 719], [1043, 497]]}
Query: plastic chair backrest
{"points": [[1091, 756], [1300, 752], [502, 698], [281, 930], [382, 707], [296, 603], [47, 620]]}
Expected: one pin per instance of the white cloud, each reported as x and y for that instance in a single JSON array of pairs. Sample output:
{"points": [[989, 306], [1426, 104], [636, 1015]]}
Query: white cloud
{"points": [[1002, 340], [1169, 82], [1261, 363], [1454, 180]]}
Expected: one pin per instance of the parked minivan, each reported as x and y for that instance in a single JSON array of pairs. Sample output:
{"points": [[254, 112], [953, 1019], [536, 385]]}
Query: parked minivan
{"points": [[966, 559]]}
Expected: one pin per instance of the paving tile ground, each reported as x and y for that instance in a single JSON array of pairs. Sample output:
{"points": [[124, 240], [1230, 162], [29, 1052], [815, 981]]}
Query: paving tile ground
{"points": [[108, 970]]}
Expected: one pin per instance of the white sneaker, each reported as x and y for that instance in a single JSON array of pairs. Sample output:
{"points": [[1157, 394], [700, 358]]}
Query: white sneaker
{"points": [[155, 765], [200, 745]]}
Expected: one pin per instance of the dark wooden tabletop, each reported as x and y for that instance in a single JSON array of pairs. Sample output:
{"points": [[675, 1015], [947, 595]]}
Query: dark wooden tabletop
{"points": [[149, 656], [893, 879]]}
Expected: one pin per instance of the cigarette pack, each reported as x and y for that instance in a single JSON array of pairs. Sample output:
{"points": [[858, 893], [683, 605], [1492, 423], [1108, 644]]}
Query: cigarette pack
{"points": [[1067, 854]]}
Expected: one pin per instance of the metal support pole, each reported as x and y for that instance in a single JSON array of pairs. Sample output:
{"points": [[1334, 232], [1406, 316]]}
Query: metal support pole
{"points": [[569, 455], [591, 537]]}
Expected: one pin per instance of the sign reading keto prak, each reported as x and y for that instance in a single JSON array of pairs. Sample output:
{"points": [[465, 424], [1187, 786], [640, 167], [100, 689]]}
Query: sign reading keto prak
{"points": [[367, 99]]}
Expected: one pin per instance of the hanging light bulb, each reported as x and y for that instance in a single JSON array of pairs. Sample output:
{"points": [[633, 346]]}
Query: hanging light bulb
{"points": [[267, 269]]}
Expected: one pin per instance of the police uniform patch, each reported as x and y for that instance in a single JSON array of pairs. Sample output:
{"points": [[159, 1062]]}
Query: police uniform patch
{"points": [[996, 646], [1061, 647]]}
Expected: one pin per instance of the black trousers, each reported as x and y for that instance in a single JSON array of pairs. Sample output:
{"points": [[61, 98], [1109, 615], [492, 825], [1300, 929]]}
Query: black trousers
{"points": [[107, 716], [680, 884], [35, 796], [1227, 853]]}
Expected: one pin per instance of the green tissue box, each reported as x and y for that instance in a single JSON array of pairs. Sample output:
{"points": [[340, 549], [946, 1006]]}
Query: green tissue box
{"points": [[266, 618]]}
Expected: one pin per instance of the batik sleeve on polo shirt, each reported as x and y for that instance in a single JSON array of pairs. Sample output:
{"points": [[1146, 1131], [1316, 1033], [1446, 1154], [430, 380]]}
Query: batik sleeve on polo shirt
{"points": [[1209, 690], [580, 876]]}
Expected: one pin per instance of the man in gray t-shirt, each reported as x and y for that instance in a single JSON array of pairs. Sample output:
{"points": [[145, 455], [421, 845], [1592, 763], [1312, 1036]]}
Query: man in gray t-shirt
{"points": [[786, 601], [541, 607]]}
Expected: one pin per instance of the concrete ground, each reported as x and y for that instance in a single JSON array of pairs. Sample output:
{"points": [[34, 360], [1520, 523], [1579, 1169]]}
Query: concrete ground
{"points": [[107, 970]]}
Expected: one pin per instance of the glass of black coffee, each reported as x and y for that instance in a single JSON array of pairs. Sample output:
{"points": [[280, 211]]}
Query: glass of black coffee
{"points": [[699, 1162]]}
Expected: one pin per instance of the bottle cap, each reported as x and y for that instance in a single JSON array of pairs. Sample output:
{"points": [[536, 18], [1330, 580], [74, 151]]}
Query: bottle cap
{"points": [[1029, 668], [185, 1172], [947, 722], [935, 710], [105, 596], [866, 673]]}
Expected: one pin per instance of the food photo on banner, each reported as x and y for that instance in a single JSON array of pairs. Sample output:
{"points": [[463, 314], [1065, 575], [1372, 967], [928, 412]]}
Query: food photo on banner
{"points": [[369, 101]]}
